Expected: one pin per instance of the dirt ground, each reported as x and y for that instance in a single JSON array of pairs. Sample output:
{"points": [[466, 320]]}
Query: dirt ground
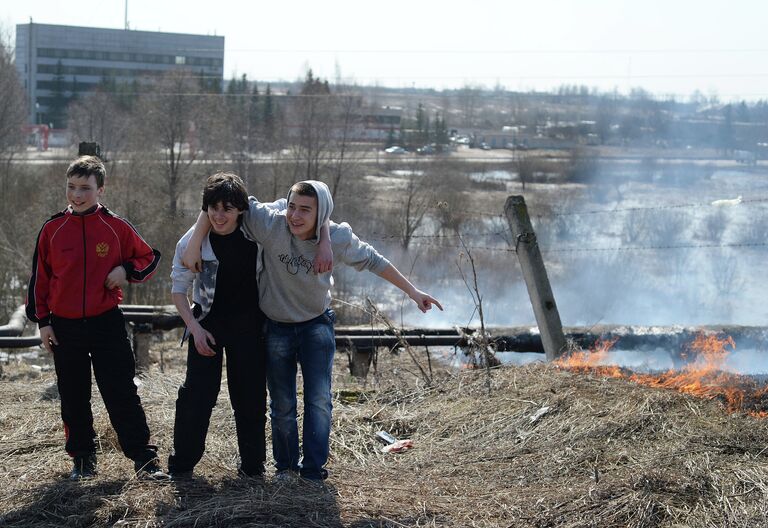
{"points": [[515, 446]]}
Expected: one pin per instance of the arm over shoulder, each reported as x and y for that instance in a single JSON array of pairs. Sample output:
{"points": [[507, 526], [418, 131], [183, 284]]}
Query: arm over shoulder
{"points": [[260, 218], [181, 276]]}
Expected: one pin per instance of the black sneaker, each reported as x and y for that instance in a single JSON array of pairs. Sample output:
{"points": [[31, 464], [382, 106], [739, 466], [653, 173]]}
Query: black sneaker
{"points": [[257, 473], [84, 467], [150, 470], [181, 475]]}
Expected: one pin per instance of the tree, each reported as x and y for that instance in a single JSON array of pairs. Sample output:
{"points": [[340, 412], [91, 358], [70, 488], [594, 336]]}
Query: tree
{"points": [[313, 111], [419, 196], [99, 117], [468, 102], [525, 170], [441, 131], [234, 131], [742, 113], [606, 113], [346, 115], [254, 118], [12, 112], [172, 119], [15, 188], [422, 125], [726, 130], [269, 116], [12, 105]]}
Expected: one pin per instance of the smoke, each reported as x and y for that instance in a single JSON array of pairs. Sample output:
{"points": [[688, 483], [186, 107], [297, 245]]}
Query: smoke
{"points": [[677, 264], [658, 253], [747, 361]]}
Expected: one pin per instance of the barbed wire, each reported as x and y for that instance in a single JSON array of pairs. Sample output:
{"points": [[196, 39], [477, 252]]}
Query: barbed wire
{"points": [[379, 236], [651, 248], [460, 247], [652, 208], [586, 212], [618, 249]]}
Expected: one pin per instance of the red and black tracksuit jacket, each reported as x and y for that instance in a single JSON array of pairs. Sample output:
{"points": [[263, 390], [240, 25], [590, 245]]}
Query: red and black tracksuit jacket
{"points": [[73, 256]]}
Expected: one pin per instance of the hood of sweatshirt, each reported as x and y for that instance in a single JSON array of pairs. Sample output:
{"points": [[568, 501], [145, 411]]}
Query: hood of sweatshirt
{"points": [[324, 204]]}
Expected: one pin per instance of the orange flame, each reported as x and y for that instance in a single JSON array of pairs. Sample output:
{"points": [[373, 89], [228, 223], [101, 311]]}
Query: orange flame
{"points": [[702, 376]]}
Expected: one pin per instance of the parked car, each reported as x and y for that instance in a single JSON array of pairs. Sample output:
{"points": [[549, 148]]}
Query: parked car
{"points": [[395, 150], [426, 149]]}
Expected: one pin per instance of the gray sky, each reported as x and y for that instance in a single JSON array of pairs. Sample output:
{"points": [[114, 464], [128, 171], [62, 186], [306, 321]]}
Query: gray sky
{"points": [[664, 46]]}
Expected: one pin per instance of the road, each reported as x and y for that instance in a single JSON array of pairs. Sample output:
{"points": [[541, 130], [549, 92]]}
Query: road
{"points": [[464, 154]]}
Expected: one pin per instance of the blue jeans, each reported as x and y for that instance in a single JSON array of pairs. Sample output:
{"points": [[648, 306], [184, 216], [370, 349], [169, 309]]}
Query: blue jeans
{"points": [[311, 344]]}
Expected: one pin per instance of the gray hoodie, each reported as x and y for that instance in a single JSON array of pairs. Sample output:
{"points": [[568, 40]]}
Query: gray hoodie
{"points": [[289, 291], [203, 284]]}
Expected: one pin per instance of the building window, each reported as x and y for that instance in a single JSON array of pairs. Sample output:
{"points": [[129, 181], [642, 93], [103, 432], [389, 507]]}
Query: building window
{"points": [[181, 59]]}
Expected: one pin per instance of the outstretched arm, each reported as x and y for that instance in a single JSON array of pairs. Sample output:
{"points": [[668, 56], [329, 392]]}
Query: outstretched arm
{"points": [[423, 300]]}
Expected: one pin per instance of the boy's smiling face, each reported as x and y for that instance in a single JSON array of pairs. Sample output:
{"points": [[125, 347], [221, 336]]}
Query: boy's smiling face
{"points": [[223, 217], [302, 216], [83, 193]]}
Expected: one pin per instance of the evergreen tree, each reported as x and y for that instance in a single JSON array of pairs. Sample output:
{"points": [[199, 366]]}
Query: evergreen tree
{"points": [[420, 122], [231, 95], [269, 115], [243, 86], [441, 131], [254, 117], [726, 130], [743, 113], [74, 90]]}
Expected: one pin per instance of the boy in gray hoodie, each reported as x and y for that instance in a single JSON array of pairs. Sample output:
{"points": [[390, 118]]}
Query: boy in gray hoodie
{"points": [[300, 321]]}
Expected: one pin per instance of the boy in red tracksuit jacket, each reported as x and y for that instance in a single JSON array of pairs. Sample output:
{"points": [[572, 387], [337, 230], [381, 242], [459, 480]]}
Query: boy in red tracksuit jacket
{"points": [[82, 257]]}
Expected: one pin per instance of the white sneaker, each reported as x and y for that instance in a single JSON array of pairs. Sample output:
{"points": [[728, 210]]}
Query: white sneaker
{"points": [[286, 476]]}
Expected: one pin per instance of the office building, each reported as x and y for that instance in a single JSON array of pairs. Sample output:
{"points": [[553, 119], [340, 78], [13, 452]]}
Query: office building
{"points": [[56, 63]]}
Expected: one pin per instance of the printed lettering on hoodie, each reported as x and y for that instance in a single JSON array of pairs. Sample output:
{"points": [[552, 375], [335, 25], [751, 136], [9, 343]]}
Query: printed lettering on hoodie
{"points": [[294, 264]]}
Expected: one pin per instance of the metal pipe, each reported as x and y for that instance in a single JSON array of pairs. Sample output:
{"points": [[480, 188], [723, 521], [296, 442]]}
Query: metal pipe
{"points": [[16, 323]]}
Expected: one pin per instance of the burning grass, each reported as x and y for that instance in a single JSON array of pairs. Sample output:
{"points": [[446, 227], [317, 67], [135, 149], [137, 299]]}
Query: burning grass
{"points": [[546, 448], [702, 375]]}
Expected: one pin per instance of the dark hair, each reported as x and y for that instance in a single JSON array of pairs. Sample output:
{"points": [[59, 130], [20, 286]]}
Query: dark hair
{"points": [[227, 188], [304, 189], [84, 166]]}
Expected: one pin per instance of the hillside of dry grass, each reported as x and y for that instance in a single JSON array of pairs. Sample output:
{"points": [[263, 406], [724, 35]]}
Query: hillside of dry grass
{"points": [[545, 448]]}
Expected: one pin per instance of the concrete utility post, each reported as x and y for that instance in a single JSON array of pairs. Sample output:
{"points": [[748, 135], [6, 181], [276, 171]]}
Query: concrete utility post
{"points": [[535, 275]]}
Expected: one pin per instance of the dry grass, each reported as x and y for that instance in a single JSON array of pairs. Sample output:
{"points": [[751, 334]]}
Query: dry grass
{"points": [[606, 453]]}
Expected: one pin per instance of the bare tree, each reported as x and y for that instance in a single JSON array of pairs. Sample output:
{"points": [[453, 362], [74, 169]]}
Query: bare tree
{"points": [[713, 226], [171, 120], [12, 110], [343, 157], [98, 117], [525, 169], [419, 196], [450, 199], [13, 187], [469, 101], [310, 128]]}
